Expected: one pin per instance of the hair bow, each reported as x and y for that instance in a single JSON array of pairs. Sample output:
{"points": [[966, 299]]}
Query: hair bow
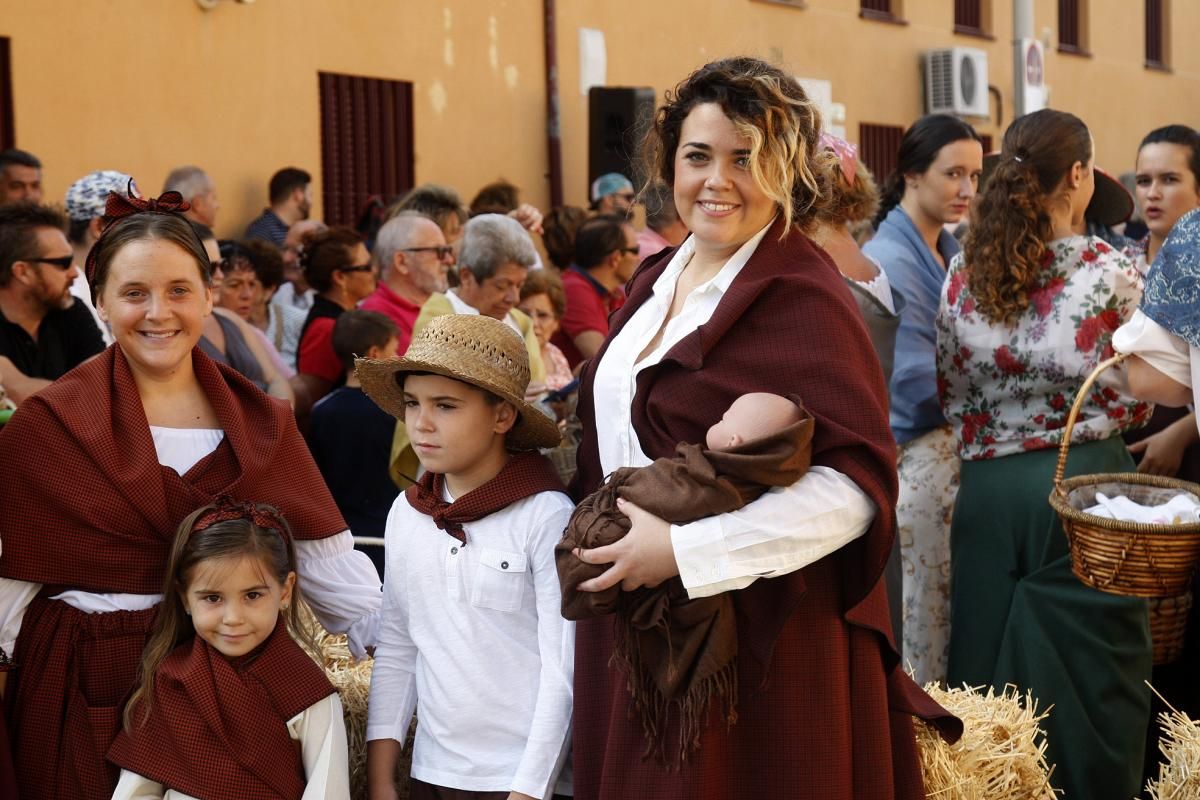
{"points": [[847, 153], [226, 508], [119, 205]]}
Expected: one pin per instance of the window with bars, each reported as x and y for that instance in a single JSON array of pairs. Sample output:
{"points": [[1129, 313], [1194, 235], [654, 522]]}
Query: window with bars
{"points": [[878, 146], [1072, 26], [1156, 34], [970, 17], [8, 137], [885, 10], [366, 143]]}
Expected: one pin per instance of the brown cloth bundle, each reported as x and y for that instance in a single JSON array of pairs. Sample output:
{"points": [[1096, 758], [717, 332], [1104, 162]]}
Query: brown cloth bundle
{"points": [[675, 650]]}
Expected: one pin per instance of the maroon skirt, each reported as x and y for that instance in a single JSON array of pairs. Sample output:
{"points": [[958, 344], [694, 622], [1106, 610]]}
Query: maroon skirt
{"points": [[75, 671], [828, 721]]}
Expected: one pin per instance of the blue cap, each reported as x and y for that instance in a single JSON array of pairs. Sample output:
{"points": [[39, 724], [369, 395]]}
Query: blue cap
{"points": [[608, 184]]}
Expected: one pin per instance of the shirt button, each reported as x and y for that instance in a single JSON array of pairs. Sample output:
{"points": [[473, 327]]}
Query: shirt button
{"points": [[503, 565], [453, 551]]}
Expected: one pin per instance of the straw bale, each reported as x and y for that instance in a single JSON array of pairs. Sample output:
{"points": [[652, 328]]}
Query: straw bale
{"points": [[1179, 772], [1002, 752], [352, 679]]}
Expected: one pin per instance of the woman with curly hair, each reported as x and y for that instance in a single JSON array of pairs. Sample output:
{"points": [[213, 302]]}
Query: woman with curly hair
{"points": [[1027, 313], [935, 179], [816, 704]]}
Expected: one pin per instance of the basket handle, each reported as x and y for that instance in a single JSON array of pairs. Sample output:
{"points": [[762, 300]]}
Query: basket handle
{"points": [[1080, 397]]}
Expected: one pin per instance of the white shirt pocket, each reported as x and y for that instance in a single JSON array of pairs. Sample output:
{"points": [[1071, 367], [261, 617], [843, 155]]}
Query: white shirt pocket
{"points": [[499, 580]]}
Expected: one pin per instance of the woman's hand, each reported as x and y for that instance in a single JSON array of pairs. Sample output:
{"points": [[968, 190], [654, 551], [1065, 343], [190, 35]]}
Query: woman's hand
{"points": [[1162, 453], [644, 557]]}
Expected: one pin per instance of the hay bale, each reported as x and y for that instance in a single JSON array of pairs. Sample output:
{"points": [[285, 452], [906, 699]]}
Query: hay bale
{"points": [[1002, 752], [352, 679], [1179, 774]]}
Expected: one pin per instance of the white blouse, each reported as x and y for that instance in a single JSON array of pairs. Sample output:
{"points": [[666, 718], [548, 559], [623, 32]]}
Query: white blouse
{"points": [[321, 732], [783, 530], [340, 583], [1161, 349]]}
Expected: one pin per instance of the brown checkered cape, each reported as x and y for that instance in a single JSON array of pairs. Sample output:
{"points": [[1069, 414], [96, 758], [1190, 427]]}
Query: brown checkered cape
{"points": [[523, 475], [218, 728], [93, 509], [823, 709]]}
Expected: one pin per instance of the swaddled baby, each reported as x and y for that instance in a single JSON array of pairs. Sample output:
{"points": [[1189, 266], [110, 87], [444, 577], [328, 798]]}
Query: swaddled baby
{"points": [[678, 652]]}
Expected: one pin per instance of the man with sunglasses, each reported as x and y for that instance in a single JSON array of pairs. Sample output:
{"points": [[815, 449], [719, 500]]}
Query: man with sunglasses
{"points": [[613, 194], [415, 260], [43, 332]]}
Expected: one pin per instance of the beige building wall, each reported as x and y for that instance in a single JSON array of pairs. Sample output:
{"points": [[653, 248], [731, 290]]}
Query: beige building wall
{"points": [[146, 85]]}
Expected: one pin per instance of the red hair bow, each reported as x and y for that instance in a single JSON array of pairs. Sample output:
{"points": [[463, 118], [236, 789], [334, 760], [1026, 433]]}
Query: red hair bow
{"points": [[226, 508], [118, 206]]}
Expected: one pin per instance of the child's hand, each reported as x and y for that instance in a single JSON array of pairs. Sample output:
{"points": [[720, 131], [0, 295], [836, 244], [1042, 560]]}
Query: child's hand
{"points": [[644, 557]]}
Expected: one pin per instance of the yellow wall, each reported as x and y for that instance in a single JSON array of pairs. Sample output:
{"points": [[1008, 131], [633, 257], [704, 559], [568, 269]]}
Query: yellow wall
{"points": [[145, 85]]}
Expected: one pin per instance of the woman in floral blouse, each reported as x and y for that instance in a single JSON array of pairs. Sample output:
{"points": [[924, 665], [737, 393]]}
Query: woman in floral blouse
{"points": [[1027, 312]]}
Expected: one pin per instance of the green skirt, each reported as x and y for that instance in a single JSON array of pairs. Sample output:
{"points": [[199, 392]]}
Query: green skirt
{"points": [[1019, 616]]}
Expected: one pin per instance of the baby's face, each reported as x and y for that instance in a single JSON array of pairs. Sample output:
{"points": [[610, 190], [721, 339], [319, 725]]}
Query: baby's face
{"points": [[749, 417]]}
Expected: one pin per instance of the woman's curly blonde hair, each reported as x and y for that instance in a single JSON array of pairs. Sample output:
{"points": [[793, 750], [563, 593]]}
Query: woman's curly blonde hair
{"points": [[1010, 222], [767, 106]]}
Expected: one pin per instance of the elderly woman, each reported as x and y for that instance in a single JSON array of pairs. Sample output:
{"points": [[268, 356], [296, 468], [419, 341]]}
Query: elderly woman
{"points": [[337, 265], [544, 302], [819, 705], [165, 430]]}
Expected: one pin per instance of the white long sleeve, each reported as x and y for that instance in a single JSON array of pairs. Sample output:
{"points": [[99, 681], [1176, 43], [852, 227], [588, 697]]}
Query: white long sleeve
{"points": [[393, 695], [782, 531], [342, 586]]}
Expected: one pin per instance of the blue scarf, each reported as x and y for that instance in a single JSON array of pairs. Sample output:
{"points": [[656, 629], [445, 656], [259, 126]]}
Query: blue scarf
{"points": [[1172, 296]]}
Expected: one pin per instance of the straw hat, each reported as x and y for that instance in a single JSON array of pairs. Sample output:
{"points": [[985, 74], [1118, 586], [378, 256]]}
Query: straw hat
{"points": [[471, 348]]}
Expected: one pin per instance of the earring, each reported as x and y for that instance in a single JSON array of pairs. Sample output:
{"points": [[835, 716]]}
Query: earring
{"points": [[285, 606]]}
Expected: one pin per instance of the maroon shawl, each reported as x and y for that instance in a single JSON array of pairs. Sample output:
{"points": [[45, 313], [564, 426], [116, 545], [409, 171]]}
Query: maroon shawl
{"points": [[218, 728], [823, 708], [94, 510], [523, 475]]}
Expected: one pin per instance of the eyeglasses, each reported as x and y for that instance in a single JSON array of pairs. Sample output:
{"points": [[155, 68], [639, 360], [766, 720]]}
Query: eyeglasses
{"points": [[358, 268], [628, 197], [442, 250], [62, 262]]}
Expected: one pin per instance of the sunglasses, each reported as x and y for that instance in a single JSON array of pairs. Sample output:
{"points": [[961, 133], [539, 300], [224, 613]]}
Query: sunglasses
{"points": [[62, 262], [442, 250], [358, 268]]}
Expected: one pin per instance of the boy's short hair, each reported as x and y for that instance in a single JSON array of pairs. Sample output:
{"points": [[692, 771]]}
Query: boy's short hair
{"points": [[491, 398], [357, 331]]}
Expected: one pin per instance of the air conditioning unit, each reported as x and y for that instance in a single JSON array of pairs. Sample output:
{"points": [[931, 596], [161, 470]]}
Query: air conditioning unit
{"points": [[956, 82]]}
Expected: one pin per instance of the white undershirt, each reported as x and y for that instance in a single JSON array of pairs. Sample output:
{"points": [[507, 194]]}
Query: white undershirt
{"points": [[879, 287], [1161, 349], [780, 532], [340, 583], [321, 732]]}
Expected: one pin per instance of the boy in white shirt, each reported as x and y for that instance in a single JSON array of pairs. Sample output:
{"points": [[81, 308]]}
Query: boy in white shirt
{"points": [[471, 637]]}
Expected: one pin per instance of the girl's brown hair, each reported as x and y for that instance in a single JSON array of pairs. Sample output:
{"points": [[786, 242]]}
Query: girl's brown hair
{"points": [[1010, 222], [767, 106], [230, 538]]}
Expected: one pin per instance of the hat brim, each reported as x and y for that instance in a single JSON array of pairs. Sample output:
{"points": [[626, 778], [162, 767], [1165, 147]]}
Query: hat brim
{"points": [[380, 379], [1111, 203]]}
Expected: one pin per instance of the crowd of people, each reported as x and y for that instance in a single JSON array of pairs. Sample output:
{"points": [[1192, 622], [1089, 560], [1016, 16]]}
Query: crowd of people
{"points": [[818, 419]]}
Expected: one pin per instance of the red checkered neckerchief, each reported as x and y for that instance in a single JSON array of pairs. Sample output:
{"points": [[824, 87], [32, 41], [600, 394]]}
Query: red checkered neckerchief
{"points": [[524, 475], [218, 728]]}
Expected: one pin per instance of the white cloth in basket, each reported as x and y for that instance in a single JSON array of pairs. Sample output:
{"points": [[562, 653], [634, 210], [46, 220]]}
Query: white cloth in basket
{"points": [[1181, 508]]}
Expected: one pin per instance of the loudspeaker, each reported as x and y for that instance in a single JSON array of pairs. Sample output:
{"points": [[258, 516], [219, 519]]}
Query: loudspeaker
{"points": [[618, 118]]}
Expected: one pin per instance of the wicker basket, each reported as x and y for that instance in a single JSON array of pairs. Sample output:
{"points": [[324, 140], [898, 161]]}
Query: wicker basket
{"points": [[1127, 558], [1168, 626]]}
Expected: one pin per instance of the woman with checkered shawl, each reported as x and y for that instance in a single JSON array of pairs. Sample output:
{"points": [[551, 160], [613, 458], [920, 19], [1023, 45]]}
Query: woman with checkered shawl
{"points": [[103, 466]]}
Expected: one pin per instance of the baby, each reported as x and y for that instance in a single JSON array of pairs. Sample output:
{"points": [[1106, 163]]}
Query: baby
{"points": [[677, 651]]}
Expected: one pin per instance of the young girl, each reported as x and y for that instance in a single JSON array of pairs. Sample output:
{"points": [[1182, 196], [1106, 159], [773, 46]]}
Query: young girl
{"points": [[230, 707]]}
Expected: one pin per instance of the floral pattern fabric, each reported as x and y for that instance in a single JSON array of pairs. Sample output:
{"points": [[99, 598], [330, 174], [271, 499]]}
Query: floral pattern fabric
{"points": [[929, 472], [1008, 388]]}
